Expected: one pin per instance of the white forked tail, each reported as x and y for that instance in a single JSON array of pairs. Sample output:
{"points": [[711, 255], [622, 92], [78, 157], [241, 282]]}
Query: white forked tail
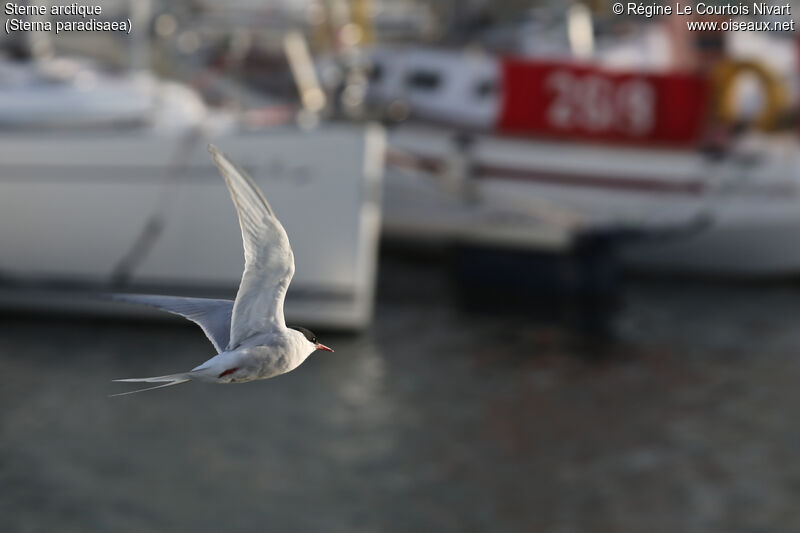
{"points": [[168, 381]]}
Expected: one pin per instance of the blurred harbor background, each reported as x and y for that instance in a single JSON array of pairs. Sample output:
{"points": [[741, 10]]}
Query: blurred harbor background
{"points": [[553, 247]]}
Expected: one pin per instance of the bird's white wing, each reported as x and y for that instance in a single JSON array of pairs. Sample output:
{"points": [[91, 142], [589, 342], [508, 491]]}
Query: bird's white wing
{"points": [[213, 316], [268, 257]]}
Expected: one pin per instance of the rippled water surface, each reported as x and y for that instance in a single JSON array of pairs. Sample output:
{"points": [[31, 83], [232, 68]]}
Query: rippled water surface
{"points": [[682, 418]]}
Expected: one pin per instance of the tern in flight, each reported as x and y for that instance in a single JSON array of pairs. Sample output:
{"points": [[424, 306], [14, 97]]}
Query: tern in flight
{"points": [[249, 333]]}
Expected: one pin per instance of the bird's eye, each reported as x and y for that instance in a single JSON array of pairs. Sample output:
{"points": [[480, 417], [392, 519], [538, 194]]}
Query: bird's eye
{"points": [[314, 340]]}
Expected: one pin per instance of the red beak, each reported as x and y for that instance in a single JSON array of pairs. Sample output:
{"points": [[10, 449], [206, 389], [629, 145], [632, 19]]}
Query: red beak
{"points": [[323, 347]]}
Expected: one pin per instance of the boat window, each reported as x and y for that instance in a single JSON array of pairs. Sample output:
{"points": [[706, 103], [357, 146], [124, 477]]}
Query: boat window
{"points": [[485, 88], [423, 79]]}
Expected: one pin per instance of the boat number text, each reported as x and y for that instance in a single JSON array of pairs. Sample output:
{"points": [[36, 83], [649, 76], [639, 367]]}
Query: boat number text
{"points": [[600, 105]]}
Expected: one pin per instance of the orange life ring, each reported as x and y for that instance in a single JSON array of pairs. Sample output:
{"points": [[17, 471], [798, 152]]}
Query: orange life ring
{"points": [[725, 75]]}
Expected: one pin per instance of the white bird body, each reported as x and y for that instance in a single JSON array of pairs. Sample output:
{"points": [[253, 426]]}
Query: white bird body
{"points": [[260, 357], [249, 333]]}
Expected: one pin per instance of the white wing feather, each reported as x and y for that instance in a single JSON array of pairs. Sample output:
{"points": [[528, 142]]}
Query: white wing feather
{"points": [[213, 316], [268, 257]]}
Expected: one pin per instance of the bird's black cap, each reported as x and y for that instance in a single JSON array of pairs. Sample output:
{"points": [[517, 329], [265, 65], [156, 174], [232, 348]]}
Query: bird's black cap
{"points": [[307, 332]]}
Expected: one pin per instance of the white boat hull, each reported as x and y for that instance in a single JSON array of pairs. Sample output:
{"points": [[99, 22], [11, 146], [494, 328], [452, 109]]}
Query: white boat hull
{"points": [[72, 209], [753, 208]]}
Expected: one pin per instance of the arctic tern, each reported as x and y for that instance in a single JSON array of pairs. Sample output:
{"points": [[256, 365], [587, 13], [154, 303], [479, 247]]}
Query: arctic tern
{"points": [[249, 334]]}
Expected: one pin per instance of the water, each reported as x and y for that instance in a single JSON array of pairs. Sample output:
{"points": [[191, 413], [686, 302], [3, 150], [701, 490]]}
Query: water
{"points": [[682, 418]]}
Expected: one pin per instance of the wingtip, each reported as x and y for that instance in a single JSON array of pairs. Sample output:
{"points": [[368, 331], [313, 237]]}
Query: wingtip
{"points": [[216, 153], [125, 297], [218, 156]]}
